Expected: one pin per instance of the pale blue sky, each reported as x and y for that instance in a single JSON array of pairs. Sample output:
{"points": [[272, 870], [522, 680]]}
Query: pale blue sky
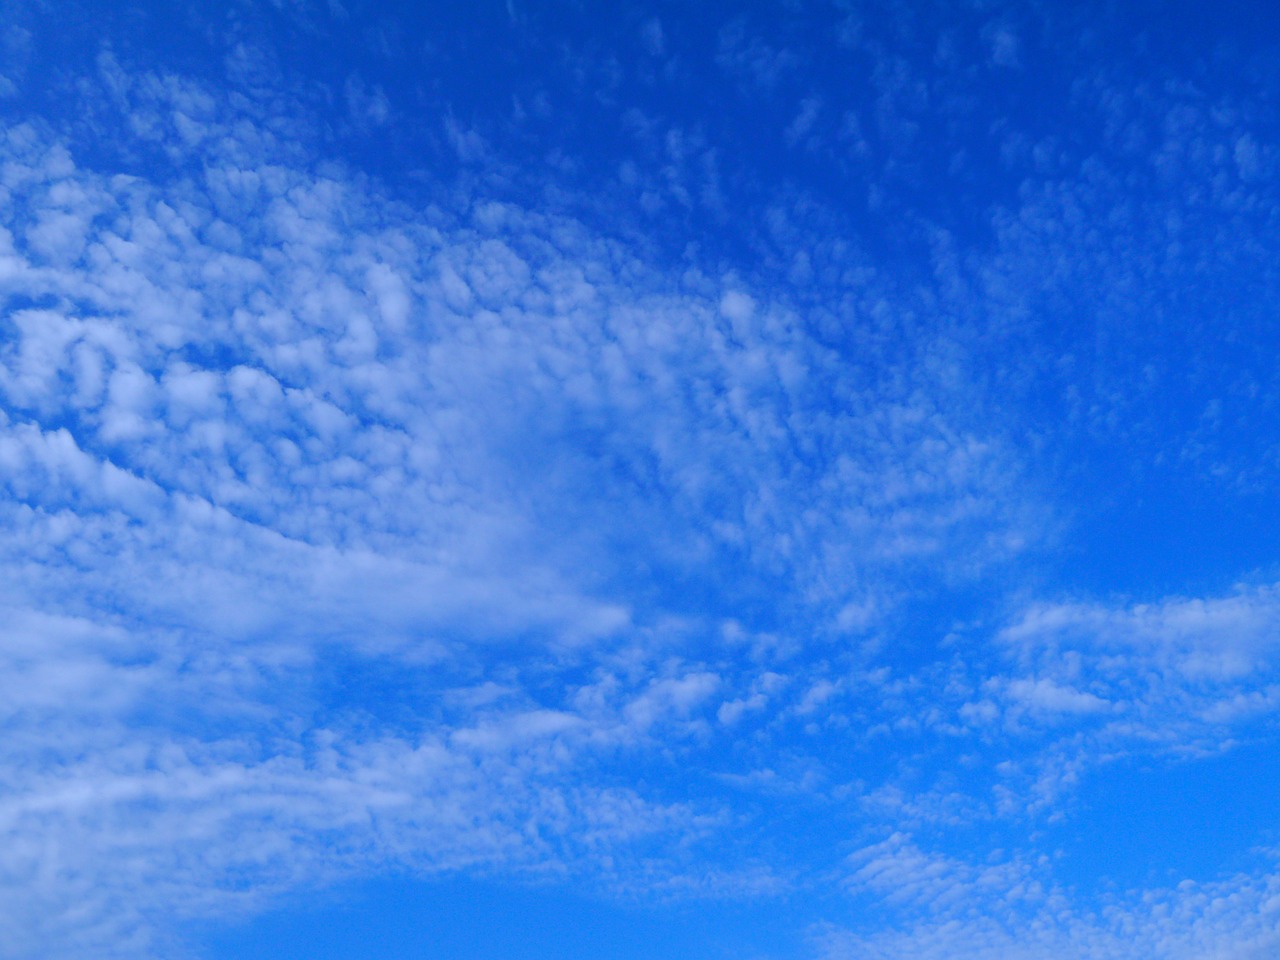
{"points": [[776, 480]]}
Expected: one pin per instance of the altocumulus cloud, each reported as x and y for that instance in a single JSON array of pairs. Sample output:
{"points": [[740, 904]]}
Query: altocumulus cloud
{"points": [[344, 533], [261, 420]]}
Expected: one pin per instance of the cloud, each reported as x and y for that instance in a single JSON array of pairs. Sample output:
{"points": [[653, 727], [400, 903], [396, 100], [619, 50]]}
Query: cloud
{"points": [[1004, 909], [1210, 641], [652, 38], [1002, 45], [350, 525], [752, 60], [906, 876], [1047, 696], [262, 424]]}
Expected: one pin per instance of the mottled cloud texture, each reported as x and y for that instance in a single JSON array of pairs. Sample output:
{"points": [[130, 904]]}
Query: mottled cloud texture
{"points": [[354, 524]]}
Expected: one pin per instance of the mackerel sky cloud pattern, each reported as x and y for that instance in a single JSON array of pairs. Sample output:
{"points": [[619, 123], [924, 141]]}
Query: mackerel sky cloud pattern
{"points": [[784, 480]]}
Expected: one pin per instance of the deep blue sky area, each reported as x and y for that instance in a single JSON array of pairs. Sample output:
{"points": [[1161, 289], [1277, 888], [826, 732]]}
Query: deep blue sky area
{"points": [[772, 481]]}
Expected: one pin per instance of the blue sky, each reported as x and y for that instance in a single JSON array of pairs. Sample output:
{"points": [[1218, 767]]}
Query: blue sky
{"points": [[776, 480]]}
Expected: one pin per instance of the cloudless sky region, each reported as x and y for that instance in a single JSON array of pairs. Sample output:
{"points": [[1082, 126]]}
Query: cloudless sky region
{"points": [[608, 481]]}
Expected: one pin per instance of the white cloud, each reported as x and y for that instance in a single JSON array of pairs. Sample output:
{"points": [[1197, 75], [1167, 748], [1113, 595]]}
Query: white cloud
{"points": [[1002, 45], [264, 420], [1005, 909], [269, 435], [1194, 641], [752, 60], [1047, 696], [652, 37]]}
